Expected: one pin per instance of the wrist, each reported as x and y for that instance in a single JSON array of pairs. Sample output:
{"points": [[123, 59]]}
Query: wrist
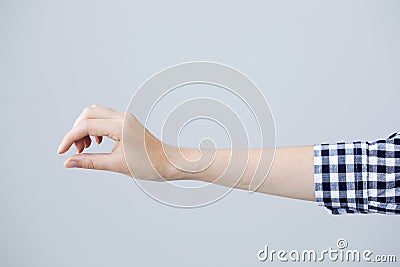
{"points": [[179, 163]]}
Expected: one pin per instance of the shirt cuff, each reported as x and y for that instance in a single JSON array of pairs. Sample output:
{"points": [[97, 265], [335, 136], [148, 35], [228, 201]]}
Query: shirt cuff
{"points": [[341, 175], [358, 177]]}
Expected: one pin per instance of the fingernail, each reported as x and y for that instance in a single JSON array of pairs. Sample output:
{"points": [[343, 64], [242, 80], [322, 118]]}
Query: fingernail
{"points": [[60, 148], [71, 164]]}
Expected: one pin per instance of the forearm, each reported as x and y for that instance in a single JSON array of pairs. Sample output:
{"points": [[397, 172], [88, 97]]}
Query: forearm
{"points": [[353, 177], [291, 174]]}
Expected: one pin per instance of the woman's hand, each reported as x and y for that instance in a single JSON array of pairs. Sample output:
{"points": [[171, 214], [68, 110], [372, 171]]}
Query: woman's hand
{"points": [[144, 149], [291, 174]]}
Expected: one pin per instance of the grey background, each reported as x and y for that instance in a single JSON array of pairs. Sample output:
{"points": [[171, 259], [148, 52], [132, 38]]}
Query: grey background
{"points": [[330, 70]]}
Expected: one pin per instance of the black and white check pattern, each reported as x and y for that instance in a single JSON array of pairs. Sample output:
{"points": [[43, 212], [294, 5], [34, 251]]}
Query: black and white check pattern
{"points": [[358, 177]]}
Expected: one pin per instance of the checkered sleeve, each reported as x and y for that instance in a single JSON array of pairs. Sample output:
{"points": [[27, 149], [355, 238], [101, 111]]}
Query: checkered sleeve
{"points": [[358, 177]]}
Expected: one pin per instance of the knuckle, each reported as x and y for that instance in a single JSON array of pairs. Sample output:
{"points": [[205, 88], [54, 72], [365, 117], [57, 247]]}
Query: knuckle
{"points": [[119, 122], [85, 113], [83, 126], [129, 117], [122, 115], [86, 110], [85, 123], [89, 164]]}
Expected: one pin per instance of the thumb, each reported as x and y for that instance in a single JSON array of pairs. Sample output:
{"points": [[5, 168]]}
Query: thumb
{"points": [[95, 161]]}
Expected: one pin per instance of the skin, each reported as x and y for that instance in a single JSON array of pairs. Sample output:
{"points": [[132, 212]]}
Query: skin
{"points": [[291, 174]]}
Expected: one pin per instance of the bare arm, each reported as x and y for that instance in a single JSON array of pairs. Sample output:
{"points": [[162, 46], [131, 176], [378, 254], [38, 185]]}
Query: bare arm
{"points": [[291, 173]]}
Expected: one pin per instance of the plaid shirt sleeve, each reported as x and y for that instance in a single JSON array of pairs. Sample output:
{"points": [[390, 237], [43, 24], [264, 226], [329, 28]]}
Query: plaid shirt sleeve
{"points": [[358, 177]]}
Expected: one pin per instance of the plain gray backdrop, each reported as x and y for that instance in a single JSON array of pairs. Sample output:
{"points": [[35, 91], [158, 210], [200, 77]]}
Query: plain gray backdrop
{"points": [[329, 69]]}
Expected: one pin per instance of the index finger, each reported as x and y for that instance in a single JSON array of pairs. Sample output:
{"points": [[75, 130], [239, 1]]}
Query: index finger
{"points": [[111, 128], [97, 112]]}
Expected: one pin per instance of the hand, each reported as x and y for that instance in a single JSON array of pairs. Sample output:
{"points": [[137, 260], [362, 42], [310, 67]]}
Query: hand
{"points": [[142, 148], [291, 175]]}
